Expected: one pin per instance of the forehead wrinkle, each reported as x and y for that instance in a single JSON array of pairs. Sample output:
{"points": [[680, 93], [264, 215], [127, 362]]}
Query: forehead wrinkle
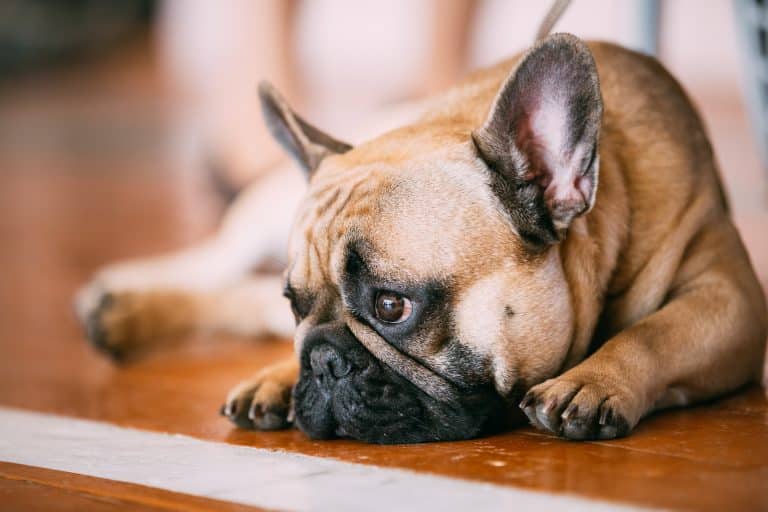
{"points": [[319, 259], [327, 210], [329, 201], [307, 267], [330, 177], [335, 216]]}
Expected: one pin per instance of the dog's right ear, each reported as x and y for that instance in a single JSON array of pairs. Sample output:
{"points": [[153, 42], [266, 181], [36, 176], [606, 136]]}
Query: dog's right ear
{"points": [[541, 137], [305, 143]]}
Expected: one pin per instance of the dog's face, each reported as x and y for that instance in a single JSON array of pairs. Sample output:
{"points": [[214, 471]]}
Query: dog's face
{"points": [[423, 272]]}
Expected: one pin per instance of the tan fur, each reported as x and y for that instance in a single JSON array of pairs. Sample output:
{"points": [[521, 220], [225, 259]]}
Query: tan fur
{"points": [[263, 401], [655, 275], [129, 323], [657, 259]]}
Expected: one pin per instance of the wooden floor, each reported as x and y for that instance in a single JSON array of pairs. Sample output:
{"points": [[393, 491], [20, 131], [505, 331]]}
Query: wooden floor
{"points": [[30, 488], [88, 174]]}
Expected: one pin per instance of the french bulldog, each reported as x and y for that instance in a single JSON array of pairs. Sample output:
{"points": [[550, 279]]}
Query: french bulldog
{"points": [[551, 235]]}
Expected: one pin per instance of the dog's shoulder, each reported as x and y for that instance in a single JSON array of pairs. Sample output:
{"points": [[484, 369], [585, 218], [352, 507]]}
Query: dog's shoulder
{"points": [[658, 172]]}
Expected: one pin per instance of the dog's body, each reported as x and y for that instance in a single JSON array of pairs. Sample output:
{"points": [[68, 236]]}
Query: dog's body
{"points": [[522, 275]]}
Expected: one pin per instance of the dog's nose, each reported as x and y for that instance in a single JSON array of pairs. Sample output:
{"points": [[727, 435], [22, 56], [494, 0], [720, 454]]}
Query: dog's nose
{"points": [[328, 365]]}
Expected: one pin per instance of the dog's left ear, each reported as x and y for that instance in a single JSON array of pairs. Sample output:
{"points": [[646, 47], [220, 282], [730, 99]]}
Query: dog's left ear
{"points": [[305, 143], [541, 138]]}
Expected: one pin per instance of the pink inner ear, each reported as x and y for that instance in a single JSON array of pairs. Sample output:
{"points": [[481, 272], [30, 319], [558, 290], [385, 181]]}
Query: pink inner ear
{"points": [[533, 147], [569, 199], [543, 139]]}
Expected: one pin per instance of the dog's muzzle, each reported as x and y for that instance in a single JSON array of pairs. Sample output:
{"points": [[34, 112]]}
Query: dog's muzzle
{"points": [[343, 391]]}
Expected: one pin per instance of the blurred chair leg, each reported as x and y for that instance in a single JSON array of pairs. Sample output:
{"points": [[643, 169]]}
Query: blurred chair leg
{"points": [[644, 23], [752, 29]]}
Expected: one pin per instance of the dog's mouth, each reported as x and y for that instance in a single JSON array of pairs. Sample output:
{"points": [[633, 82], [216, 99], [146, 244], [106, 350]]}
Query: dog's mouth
{"points": [[344, 391]]}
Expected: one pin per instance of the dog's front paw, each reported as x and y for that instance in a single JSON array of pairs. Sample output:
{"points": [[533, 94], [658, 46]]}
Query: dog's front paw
{"points": [[580, 408], [264, 401]]}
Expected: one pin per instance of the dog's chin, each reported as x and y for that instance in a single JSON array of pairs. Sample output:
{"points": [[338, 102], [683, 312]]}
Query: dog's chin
{"points": [[359, 397]]}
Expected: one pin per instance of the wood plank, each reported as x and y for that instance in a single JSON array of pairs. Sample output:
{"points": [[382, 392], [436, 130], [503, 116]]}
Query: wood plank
{"points": [[29, 488]]}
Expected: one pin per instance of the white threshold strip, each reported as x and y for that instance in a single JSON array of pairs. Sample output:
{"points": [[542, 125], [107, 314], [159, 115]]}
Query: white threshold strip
{"points": [[251, 476]]}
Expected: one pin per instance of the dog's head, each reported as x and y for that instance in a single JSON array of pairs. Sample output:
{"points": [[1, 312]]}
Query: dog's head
{"points": [[422, 271]]}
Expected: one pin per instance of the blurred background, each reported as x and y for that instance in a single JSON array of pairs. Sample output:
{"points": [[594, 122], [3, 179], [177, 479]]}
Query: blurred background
{"points": [[125, 125]]}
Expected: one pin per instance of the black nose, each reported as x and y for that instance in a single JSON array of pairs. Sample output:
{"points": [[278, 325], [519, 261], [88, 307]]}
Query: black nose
{"points": [[328, 365]]}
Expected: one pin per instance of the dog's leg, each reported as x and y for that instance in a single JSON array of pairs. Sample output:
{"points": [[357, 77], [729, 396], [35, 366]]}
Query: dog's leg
{"points": [[707, 338], [263, 402], [254, 230], [130, 323]]}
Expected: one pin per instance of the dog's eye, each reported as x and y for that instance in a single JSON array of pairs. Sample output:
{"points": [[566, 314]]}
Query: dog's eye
{"points": [[392, 307]]}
